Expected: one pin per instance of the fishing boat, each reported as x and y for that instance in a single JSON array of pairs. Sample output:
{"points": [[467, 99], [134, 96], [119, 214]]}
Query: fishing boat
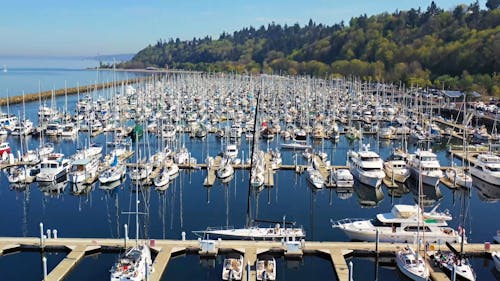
{"points": [[233, 267], [400, 226], [266, 268]]}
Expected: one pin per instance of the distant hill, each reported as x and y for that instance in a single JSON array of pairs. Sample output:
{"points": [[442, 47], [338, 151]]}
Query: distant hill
{"points": [[457, 49], [116, 57]]}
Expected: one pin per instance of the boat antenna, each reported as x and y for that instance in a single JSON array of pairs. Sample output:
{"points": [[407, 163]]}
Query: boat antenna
{"points": [[248, 220]]}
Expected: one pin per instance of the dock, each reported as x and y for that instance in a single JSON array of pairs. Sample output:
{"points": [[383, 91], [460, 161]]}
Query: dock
{"points": [[164, 249]]}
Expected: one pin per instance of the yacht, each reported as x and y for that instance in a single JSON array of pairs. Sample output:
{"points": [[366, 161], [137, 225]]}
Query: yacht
{"points": [[266, 268], [342, 178], [53, 129], [53, 167], [412, 265], [424, 164], [401, 226], [231, 151], [396, 168], [233, 267], [83, 170], [366, 166], [315, 178], [487, 168], [69, 130]]}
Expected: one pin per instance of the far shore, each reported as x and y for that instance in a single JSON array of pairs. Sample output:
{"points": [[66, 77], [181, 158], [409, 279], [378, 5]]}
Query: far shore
{"points": [[144, 70]]}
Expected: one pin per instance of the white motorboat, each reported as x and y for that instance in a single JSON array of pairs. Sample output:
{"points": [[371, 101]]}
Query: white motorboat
{"points": [[424, 163], [53, 129], [401, 226], [366, 166], [487, 168], [83, 170], [266, 268], [233, 267], [231, 151], [342, 178], [53, 167], [314, 177], [412, 265], [396, 167], [69, 130]]}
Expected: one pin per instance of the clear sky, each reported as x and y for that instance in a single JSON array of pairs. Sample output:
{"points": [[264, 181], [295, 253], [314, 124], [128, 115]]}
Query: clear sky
{"points": [[91, 27]]}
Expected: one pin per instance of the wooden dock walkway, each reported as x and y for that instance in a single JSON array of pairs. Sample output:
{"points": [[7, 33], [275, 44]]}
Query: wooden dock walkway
{"points": [[250, 249], [268, 171]]}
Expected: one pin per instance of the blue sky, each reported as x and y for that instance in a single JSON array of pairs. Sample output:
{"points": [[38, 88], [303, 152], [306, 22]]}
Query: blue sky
{"points": [[91, 27]]}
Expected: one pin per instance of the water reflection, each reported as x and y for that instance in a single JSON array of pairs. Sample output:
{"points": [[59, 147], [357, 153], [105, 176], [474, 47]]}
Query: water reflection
{"points": [[430, 194], [398, 190], [368, 196], [344, 193], [485, 191]]}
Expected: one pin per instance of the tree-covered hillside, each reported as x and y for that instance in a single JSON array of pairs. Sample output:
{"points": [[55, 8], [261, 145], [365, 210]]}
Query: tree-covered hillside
{"points": [[457, 49]]}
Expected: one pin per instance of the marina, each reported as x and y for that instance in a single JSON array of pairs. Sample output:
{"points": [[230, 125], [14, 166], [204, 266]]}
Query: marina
{"points": [[144, 109]]}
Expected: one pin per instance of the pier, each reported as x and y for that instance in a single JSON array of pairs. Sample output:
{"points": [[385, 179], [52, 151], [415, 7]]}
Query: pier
{"points": [[78, 248]]}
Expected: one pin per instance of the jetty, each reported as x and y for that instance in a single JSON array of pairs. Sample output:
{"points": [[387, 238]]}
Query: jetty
{"points": [[337, 252], [68, 91]]}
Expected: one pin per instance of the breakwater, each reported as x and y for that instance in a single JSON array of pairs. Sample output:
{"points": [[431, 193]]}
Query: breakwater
{"points": [[68, 91]]}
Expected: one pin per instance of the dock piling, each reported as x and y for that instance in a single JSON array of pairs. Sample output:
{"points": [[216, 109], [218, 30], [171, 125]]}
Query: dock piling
{"points": [[44, 262], [41, 235], [350, 271]]}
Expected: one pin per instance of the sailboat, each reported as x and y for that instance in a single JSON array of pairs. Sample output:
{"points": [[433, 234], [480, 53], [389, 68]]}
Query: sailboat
{"points": [[136, 263], [252, 231], [409, 262], [455, 261]]}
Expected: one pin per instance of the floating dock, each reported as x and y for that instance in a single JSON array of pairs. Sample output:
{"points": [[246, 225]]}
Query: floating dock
{"points": [[164, 249]]}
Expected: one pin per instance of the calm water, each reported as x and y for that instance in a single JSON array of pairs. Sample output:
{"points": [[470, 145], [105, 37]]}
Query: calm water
{"points": [[187, 205], [30, 74]]}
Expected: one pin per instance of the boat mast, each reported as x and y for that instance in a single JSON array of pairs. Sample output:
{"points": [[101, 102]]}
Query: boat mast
{"points": [[248, 219]]}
